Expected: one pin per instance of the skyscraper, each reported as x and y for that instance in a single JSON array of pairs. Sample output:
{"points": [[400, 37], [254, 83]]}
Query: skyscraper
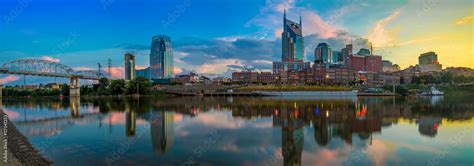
{"points": [[129, 66], [428, 58], [292, 41], [161, 57], [292, 51], [323, 53], [346, 52]]}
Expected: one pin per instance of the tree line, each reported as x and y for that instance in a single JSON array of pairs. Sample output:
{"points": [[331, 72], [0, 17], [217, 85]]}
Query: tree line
{"points": [[104, 87]]}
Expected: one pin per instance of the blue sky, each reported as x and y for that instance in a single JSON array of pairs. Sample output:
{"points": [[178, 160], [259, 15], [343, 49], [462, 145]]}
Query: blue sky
{"points": [[215, 36]]}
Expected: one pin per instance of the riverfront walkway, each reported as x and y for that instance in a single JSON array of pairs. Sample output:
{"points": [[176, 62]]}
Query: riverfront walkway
{"points": [[19, 149]]}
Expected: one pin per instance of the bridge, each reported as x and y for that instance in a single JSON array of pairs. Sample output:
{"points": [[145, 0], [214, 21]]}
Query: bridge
{"points": [[44, 68]]}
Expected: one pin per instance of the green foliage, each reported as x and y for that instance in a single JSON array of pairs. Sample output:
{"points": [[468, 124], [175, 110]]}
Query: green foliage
{"points": [[442, 78], [65, 90], [117, 87], [17, 92], [139, 84]]}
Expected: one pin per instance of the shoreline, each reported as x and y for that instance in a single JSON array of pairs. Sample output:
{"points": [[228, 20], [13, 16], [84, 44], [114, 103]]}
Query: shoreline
{"points": [[19, 146]]}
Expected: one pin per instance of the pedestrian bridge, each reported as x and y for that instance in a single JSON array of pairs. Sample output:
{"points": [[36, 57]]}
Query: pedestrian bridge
{"points": [[44, 68]]}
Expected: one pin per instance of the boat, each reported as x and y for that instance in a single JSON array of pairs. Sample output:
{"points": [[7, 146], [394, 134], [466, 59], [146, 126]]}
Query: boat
{"points": [[433, 92]]}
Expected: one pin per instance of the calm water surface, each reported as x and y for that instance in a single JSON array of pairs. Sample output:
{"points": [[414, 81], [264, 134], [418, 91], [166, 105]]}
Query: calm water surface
{"points": [[249, 131]]}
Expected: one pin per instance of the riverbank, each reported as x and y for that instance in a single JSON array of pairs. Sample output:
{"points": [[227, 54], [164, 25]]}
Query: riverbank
{"points": [[449, 90], [17, 149], [294, 88]]}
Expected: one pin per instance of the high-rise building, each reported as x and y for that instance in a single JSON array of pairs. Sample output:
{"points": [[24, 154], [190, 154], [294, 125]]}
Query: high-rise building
{"points": [[346, 52], [323, 53], [292, 59], [364, 52], [428, 62], [337, 56], [428, 58], [143, 73], [129, 66], [161, 58], [292, 41]]}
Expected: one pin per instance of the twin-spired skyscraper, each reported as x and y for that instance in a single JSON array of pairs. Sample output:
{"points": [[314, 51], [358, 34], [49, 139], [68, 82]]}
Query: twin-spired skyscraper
{"points": [[161, 57]]}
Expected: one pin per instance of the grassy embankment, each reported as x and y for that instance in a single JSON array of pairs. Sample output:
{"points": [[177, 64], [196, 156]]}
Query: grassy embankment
{"points": [[295, 88]]}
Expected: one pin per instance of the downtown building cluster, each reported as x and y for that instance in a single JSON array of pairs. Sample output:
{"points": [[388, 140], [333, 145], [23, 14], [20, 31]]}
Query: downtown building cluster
{"points": [[161, 61], [333, 67]]}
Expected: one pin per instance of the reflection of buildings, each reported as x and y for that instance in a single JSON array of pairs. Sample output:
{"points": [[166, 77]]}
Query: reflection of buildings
{"points": [[343, 123], [292, 135], [131, 123], [162, 131], [428, 125]]}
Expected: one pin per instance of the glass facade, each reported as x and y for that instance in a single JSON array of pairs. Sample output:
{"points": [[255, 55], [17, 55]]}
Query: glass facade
{"points": [[323, 53], [161, 58], [129, 66], [292, 41], [143, 73]]}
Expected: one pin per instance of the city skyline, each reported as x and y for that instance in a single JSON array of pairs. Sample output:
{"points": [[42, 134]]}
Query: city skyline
{"points": [[251, 38]]}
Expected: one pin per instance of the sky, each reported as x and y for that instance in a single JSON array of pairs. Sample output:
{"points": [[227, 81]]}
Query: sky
{"points": [[216, 37]]}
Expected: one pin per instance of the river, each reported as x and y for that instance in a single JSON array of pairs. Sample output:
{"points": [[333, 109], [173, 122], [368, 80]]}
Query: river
{"points": [[249, 131]]}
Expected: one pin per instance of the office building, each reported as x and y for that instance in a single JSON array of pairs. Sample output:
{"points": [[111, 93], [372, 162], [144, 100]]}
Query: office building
{"points": [[428, 58], [428, 62], [337, 57], [143, 73], [323, 53], [346, 52], [292, 48], [161, 58], [129, 66], [292, 41]]}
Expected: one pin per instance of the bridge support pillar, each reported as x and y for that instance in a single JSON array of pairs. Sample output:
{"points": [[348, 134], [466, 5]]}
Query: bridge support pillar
{"points": [[1, 92], [1, 100], [74, 87]]}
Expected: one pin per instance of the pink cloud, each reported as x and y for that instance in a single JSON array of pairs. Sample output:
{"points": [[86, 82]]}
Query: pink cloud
{"points": [[83, 68], [9, 79], [314, 24], [51, 59], [177, 70], [117, 72], [379, 36]]}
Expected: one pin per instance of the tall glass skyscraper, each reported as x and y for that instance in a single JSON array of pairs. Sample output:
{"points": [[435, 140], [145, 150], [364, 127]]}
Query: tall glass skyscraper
{"points": [[161, 57], [292, 41], [323, 53]]}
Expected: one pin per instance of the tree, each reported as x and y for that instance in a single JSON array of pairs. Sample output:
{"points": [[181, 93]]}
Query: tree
{"points": [[143, 84], [65, 90], [117, 87], [104, 82]]}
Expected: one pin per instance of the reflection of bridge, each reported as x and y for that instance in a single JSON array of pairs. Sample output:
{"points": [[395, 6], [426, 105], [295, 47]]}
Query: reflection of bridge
{"points": [[44, 68]]}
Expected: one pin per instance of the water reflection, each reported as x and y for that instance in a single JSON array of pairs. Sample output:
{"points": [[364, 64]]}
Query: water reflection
{"points": [[162, 131], [354, 121]]}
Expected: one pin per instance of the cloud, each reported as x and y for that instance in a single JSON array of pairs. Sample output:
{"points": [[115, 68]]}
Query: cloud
{"points": [[465, 20], [214, 56], [117, 72], [82, 68], [8, 79], [379, 36], [314, 24], [177, 70], [51, 59]]}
